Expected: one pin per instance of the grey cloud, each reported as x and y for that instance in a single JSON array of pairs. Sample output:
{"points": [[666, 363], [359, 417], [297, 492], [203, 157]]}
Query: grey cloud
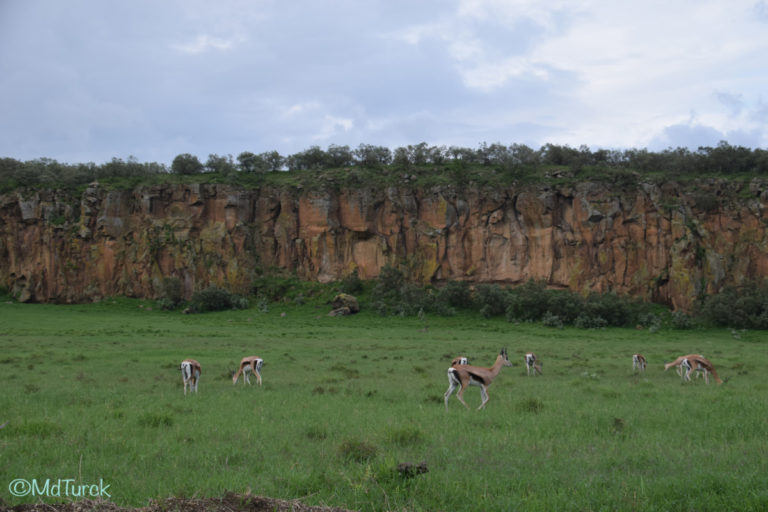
{"points": [[694, 136], [733, 102]]}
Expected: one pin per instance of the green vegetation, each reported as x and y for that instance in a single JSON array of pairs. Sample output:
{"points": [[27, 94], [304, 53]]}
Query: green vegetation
{"points": [[391, 294], [417, 165], [214, 298], [742, 307], [93, 392]]}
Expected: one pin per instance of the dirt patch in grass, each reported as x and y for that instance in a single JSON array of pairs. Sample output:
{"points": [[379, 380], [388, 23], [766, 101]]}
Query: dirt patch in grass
{"points": [[228, 503]]}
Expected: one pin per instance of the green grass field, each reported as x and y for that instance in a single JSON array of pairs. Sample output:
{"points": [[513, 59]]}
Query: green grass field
{"points": [[93, 393]]}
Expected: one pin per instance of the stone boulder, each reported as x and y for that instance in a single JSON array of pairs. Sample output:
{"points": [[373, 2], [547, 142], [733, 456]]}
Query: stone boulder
{"points": [[344, 304]]}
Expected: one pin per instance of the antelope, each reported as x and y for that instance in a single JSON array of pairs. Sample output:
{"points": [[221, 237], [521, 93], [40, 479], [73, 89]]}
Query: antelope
{"points": [[251, 364], [678, 363], [463, 376], [530, 364], [190, 374], [638, 362], [701, 364], [460, 360]]}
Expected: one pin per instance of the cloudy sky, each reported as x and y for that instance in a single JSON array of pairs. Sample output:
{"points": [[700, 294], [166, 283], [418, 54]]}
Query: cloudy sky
{"points": [[89, 80]]}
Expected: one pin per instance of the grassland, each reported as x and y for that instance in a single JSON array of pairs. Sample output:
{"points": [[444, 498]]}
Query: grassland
{"points": [[93, 393]]}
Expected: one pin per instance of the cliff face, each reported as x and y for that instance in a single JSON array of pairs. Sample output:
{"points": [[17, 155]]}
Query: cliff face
{"points": [[664, 243]]}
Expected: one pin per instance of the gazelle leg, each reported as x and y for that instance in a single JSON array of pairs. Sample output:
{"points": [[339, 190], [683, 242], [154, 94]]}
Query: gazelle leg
{"points": [[452, 385], [459, 396], [484, 395]]}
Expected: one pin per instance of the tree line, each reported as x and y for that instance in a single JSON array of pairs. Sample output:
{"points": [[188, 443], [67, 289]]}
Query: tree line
{"points": [[722, 160]]}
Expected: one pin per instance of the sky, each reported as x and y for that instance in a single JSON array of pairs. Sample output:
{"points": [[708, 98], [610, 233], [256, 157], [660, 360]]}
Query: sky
{"points": [[92, 80]]}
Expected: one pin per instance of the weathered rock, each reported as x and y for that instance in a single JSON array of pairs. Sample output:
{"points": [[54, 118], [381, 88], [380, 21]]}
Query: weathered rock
{"points": [[342, 311], [345, 300], [667, 242]]}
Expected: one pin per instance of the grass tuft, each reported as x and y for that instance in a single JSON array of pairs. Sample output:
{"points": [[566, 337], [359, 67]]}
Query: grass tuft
{"points": [[356, 450], [155, 420], [405, 436]]}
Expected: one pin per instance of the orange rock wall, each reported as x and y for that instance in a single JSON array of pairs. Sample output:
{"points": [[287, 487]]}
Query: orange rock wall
{"points": [[651, 241]]}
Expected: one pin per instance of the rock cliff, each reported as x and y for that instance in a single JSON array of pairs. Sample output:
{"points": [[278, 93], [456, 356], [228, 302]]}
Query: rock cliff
{"points": [[663, 242]]}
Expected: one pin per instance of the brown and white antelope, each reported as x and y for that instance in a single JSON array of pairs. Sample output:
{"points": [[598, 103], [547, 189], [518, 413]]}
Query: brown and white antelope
{"points": [[460, 360], [531, 365], [678, 364], [638, 362], [699, 363], [250, 364], [190, 374], [463, 376]]}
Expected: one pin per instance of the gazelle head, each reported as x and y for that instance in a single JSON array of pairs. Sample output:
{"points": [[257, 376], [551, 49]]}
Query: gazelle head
{"points": [[460, 360], [505, 359]]}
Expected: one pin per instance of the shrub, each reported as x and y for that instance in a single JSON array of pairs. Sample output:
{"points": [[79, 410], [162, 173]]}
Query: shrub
{"points": [[217, 299], [442, 308], [651, 321], [681, 320], [741, 307], [491, 299], [389, 282], [528, 302], [413, 298], [172, 293], [393, 296], [585, 321], [610, 307], [352, 283], [274, 288], [566, 304], [455, 294], [551, 320]]}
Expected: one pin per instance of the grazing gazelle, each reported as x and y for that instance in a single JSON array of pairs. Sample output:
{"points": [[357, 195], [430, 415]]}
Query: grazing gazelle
{"points": [[190, 374], [248, 364], [638, 362], [699, 363], [679, 364], [460, 360], [463, 376], [531, 365]]}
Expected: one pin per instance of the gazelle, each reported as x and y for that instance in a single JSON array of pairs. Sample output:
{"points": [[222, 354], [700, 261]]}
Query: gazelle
{"points": [[463, 376], [531, 365], [460, 360], [699, 363], [638, 362], [251, 364], [678, 363], [190, 374]]}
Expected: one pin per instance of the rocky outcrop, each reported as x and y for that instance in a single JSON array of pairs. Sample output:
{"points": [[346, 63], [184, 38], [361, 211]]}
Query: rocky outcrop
{"points": [[664, 242], [344, 304]]}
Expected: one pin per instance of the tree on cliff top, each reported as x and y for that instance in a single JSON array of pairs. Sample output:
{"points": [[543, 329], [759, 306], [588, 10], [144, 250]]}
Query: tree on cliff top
{"points": [[186, 164]]}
